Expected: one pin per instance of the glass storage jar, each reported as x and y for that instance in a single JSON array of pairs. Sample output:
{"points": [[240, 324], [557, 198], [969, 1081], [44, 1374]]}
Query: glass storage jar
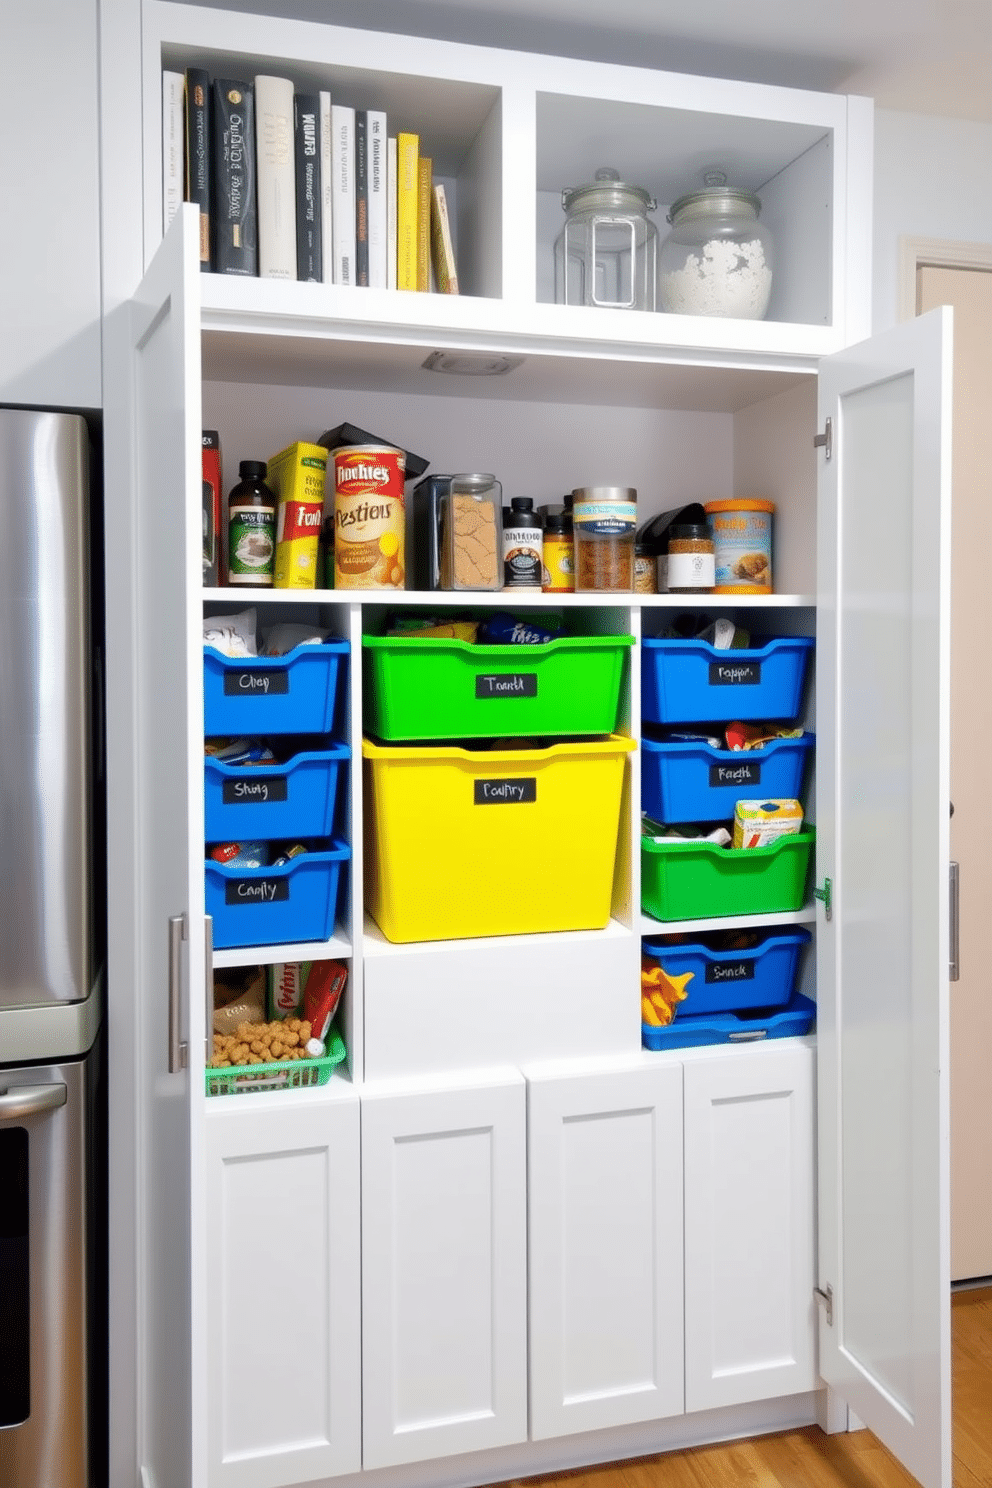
{"points": [[717, 259], [607, 252]]}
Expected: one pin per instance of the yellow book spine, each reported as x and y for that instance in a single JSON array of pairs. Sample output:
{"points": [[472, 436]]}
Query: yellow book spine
{"points": [[407, 157], [297, 476], [425, 177]]}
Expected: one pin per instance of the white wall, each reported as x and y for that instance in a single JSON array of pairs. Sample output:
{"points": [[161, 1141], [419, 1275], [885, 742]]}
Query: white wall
{"points": [[933, 179]]}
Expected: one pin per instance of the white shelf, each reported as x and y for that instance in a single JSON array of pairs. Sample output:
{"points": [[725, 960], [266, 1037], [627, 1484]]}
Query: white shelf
{"points": [[375, 944], [652, 928], [339, 946], [506, 598]]}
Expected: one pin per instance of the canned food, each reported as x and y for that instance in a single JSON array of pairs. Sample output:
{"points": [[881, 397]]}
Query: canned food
{"points": [[742, 545], [369, 517]]}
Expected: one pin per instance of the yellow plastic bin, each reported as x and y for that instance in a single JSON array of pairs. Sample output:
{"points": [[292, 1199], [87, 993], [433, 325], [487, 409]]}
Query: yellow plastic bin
{"points": [[470, 842]]}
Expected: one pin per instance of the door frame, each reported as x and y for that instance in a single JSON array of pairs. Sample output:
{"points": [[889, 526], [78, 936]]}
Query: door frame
{"points": [[933, 253]]}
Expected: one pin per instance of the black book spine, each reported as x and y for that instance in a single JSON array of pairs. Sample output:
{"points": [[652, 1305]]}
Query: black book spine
{"points": [[309, 263], [361, 196], [235, 206], [198, 153]]}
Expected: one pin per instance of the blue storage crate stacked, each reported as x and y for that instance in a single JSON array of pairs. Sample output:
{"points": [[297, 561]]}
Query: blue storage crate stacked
{"points": [[724, 986], [283, 708]]}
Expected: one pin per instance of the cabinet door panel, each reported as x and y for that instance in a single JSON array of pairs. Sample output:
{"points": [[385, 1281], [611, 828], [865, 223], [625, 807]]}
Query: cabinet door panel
{"points": [[749, 1226], [283, 1286], [883, 768], [443, 1271], [605, 1174]]}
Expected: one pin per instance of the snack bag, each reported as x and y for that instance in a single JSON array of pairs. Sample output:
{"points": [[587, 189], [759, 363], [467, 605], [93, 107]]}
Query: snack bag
{"points": [[758, 823]]}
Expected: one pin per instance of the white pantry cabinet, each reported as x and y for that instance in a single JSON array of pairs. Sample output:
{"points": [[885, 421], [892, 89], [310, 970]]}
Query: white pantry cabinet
{"points": [[680, 408]]}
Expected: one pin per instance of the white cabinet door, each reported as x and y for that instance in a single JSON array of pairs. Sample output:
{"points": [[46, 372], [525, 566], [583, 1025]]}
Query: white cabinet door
{"points": [[283, 1289], [749, 1149], [882, 839], [605, 1180], [444, 1284], [155, 850]]}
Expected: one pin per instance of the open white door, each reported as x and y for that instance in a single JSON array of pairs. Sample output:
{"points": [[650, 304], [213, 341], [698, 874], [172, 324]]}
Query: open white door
{"points": [[883, 658], [155, 733]]}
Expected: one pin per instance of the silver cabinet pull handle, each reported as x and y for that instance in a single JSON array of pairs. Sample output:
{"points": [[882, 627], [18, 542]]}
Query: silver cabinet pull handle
{"points": [[177, 1047], [954, 970], [18, 1101], [208, 961]]}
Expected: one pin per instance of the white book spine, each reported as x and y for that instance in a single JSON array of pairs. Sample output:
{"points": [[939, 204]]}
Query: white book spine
{"points": [[326, 189], [391, 212], [172, 145], [276, 185], [378, 227], [343, 167]]}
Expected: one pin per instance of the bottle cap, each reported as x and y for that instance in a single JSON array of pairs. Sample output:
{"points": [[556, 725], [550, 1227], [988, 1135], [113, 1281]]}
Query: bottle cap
{"points": [[691, 529], [558, 521], [253, 469], [521, 504]]}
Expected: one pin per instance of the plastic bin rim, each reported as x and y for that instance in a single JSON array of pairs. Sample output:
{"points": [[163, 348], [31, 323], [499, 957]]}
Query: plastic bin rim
{"points": [[316, 648], [753, 653], [799, 935], [611, 744], [674, 844], [806, 740], [473, 648], [336, 853], [333, 753]]}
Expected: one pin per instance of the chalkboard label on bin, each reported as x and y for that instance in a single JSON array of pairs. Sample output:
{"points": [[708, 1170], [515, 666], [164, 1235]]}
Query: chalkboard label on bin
{"points": [[256, 890], [730, 971], [254, 792], [735, 673], [255, 683], [748, 772], [505, 792], [506, 684]]}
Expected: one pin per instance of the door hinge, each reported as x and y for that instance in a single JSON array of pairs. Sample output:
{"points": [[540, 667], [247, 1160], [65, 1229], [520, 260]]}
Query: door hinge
{"points": [[827, 1298], [826, 439], [826, 894]]}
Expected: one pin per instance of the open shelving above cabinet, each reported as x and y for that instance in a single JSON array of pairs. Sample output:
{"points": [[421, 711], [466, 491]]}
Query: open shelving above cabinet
{"points": [[505, 145]]}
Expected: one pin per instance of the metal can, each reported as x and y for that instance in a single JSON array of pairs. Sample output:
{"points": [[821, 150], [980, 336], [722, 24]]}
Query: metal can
{"points": [[369, 517], [742, 542]]}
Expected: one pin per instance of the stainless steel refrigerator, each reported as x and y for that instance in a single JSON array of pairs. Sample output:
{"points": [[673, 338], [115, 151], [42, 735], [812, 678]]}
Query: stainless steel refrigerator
{"points": [[51, 1209]]}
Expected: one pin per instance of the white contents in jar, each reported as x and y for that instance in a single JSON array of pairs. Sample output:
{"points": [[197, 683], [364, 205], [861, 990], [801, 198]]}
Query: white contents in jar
{"points": [[726, 279]]}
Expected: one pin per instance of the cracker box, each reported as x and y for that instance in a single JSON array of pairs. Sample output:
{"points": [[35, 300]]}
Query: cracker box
{"points": [[758, 823]]}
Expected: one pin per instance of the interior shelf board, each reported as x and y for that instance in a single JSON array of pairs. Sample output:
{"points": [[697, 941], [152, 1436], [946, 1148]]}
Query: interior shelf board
{"points": [[376, 944], [338, 946], [652, 928]]}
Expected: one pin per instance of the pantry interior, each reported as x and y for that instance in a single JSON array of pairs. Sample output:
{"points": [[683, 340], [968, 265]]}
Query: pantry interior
{"points": [[527, 1242]]}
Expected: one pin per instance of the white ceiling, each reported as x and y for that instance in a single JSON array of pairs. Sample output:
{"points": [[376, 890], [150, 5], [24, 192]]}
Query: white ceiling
{"points": [[921, 56]]}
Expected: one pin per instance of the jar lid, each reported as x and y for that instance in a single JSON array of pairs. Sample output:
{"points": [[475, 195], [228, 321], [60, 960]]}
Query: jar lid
{"points": [[558, 521], [744, 503], [253, 469], [604, 493], [715, 201], [690, 529], [609, 192]]}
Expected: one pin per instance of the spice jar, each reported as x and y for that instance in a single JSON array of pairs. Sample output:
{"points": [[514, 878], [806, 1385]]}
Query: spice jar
{"points": [[604, 519], [691, 566], [559, 551], [717, 260], [607, 252], [645, 568]]}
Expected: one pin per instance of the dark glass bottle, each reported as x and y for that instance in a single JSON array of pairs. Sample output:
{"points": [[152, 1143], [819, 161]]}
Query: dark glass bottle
{"points": [[522, 546], [251, 528]]}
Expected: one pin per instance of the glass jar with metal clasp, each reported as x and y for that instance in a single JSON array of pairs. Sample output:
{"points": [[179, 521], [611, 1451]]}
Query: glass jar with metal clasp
{"points": [[607, 252]]}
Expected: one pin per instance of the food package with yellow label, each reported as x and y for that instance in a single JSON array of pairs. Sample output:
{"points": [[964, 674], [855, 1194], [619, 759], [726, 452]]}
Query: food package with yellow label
{"points": [[758, 823], [297, 475]]}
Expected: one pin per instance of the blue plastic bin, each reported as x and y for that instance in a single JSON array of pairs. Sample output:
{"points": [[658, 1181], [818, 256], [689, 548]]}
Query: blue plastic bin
{"points": [[291, 694], [762, 976], [693, 682], [275, 906], [266, 803], [697, 783], [796, 1018]]}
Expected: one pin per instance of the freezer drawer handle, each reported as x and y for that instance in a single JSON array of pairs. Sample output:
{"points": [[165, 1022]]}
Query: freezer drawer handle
{"points": [[18, 1101], [177, 1045], [955, 892]]}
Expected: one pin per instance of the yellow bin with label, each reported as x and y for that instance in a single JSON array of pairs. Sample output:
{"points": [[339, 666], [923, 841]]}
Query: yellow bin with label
{"points": [[471, 842]]}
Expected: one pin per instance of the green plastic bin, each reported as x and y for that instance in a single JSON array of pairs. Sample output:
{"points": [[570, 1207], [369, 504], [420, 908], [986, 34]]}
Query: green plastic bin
{"points": [[699, 880], [418, 689]]}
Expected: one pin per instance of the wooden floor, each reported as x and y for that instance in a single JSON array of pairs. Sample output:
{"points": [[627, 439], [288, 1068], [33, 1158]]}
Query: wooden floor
{"points": [[808, 1459]]}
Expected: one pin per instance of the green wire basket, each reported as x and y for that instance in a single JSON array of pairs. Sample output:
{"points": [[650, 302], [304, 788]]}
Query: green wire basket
{"points": [[280, 1074]]}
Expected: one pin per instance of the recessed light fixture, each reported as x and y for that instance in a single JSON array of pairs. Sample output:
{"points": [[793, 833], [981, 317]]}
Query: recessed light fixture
{"points": [[471, 363]]}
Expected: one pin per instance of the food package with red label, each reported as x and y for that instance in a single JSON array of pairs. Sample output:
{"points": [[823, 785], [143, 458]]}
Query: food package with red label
{"points": [[322, 994]]}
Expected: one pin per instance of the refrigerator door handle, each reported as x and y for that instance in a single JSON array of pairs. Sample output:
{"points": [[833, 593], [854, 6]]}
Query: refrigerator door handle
{"points": [[18, 1101], [178, 1049], [208, 962]]}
